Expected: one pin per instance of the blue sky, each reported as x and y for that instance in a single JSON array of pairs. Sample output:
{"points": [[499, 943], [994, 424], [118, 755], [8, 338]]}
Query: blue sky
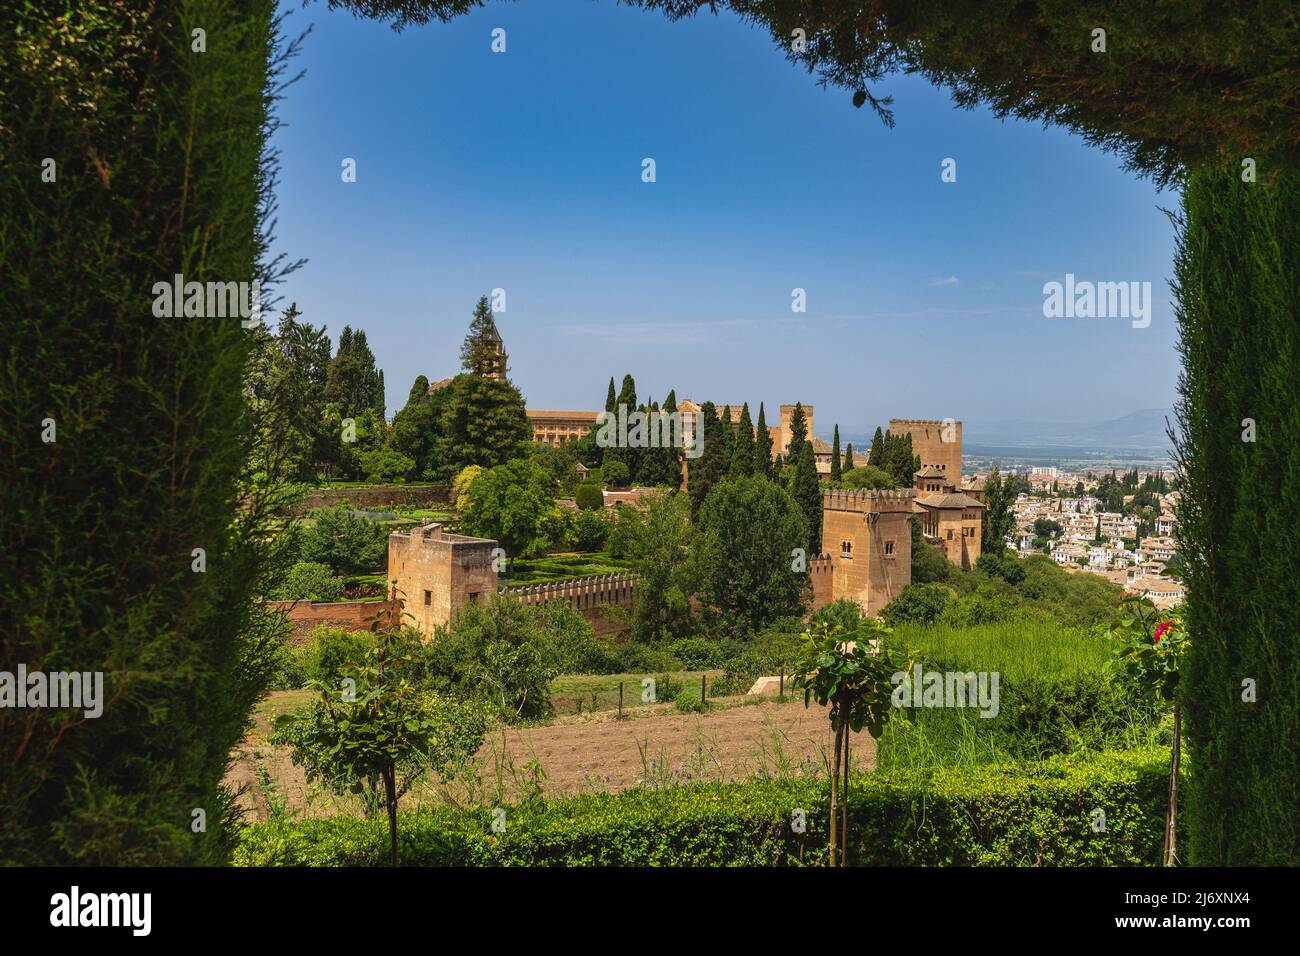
{"points": [[522, 171]]}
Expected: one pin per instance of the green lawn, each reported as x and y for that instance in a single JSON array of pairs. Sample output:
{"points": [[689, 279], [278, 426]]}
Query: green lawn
{"points": [[598, 692]]}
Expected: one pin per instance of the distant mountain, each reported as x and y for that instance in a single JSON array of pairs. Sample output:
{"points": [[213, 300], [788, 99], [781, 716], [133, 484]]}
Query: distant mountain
{"points": [[1142, 430]]}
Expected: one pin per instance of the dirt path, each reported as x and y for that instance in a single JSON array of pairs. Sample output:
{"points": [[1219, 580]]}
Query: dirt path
{"points": [[594, 752]]}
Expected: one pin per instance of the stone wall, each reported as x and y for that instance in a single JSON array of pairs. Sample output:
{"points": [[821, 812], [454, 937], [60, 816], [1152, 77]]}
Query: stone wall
{"points": [[822, 569], [348, 615], [375, 496], [586, 595]]}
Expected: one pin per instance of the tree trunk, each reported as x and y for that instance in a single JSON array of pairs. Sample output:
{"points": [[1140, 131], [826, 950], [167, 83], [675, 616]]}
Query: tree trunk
{"points": [[835, 794], [1171, 815], [844, 804], [390, 795]]}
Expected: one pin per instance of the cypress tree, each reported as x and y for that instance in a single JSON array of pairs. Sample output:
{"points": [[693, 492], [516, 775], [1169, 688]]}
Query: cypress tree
{"points": [[836, 464], [762, 446], [711, 467], [670, 453], [876, 453], [848, 459], [742, 453], [134, 531], [728, 434], [1238, 427], [798, 433], [611, 399], [807, 493], [628, 455]]}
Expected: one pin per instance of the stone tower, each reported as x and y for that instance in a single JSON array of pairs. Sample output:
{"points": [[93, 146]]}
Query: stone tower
{"points": [[868, 535], [937, 442], [434, 573]]}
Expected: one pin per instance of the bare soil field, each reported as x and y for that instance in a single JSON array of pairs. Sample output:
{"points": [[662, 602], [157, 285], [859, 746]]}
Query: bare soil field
{"points": [[735, 740]]}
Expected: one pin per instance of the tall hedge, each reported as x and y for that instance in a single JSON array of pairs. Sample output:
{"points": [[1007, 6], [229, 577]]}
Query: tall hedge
{"points": [[1237, 289], [1037, 814], [159, 169]]}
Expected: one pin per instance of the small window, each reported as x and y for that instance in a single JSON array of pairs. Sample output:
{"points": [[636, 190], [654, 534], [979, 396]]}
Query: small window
{"points": [[428, 598], [846, 549], [473, 596], [889, 547], [950, 534]]}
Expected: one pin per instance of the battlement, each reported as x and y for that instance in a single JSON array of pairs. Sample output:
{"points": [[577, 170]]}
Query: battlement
{"points": [[579, 593], [938, 422], [586, 595], [868, 500]]}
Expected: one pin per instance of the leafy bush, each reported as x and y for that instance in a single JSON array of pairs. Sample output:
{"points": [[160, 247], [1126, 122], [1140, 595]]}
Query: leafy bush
{"points": [[591, 530], [286, 670], [917, 604], [344, 540], [589, 497], [308, 581], [697, 654], [506, 653], [616, 474], [668, 687], [1000, 566], [636, 658], [384, 465], [328, 651], [688, 702], [1034, 814]]}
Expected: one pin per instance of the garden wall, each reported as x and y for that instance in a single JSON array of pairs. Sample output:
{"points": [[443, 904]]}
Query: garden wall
{"points": [[374, 496], [348, 615], [588, 596]]}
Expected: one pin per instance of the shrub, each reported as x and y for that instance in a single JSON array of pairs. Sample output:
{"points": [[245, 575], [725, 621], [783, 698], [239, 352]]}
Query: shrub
{"points": [[635, 658], [1036, 814], [384, 464], [589, 497], [344, 540], [308, 581], [668, 687], [688, 702], [286, 670], [506, 653], [616, 474], [917, 604], [591, 530], [697, 654], [328, 650]]}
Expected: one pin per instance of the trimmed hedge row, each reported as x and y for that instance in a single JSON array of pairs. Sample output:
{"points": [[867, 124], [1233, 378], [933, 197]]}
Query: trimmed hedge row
{"points": [[1019, 814]]}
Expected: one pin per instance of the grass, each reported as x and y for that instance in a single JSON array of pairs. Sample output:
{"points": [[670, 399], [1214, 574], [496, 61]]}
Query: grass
{"points": [[599, 692], [1017, 651], [1059, 693]]}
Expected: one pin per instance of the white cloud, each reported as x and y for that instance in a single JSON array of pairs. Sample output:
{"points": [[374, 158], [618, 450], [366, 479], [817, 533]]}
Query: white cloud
{"points": [[940, 280]]}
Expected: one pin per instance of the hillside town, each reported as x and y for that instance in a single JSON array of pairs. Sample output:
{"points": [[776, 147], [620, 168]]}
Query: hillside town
{"points": [[1062, 515]]}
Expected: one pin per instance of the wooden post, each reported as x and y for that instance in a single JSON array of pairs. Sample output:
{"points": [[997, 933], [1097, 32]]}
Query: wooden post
{"points": [[782, 678], [701, 690], [620, 699]]}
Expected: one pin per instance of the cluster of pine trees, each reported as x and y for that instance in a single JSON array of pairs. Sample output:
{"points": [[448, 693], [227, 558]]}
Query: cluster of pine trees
{"points": [[321, 414]]}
